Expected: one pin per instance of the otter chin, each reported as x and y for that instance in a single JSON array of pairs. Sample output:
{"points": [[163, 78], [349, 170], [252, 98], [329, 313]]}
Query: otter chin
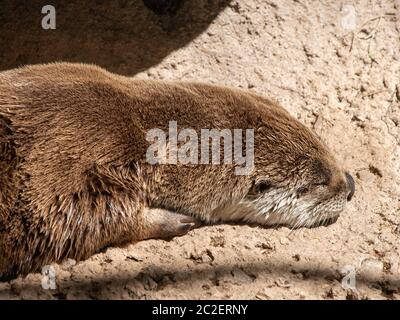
{"points": [[75, 177]]}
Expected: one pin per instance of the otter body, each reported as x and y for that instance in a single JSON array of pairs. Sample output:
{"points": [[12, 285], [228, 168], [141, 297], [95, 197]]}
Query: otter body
{"points": [[74, 177]]}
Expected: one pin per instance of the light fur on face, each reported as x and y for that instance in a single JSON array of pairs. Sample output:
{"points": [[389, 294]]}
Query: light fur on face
{"points": [[283, 208]]}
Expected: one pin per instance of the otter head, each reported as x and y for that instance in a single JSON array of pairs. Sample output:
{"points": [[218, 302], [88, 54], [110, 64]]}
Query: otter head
{"points": [[296, 182]]}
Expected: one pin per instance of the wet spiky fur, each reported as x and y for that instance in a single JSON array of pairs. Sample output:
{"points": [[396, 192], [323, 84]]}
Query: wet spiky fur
{"points": [[73, 175]]}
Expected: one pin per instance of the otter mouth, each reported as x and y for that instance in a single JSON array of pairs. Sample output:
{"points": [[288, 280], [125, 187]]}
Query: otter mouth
{"points": [[320, 223], [324, 223], [251, 216]]}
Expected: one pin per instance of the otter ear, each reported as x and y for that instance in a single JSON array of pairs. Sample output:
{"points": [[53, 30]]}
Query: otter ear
{"points": [[259, 187], [103, 180]]}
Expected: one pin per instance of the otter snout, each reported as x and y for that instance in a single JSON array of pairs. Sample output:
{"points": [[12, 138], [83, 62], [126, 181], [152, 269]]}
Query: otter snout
{"points": [[350, 185]]}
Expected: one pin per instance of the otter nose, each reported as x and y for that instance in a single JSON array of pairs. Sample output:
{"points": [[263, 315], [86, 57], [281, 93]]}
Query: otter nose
{"points": [[351, 186]]}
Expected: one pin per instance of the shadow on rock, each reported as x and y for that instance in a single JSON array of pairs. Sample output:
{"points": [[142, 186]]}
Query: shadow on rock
{"points": [[124, 36]]}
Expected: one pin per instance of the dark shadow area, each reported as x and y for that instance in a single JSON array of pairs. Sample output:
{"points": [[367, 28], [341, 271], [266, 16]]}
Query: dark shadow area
{"points": [[308, 270], [124, 36]]}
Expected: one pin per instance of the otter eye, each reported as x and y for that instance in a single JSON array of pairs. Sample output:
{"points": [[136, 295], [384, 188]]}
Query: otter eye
{"points": [[302, 190], [262, 186], [258, 188], [306, 189]]}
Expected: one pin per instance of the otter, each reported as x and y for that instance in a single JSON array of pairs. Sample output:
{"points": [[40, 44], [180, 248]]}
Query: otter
{"points": [[74, 177]]}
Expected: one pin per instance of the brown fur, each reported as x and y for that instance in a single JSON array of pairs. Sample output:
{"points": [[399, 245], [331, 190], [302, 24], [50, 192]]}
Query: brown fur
{"points": [[73, 175]]}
